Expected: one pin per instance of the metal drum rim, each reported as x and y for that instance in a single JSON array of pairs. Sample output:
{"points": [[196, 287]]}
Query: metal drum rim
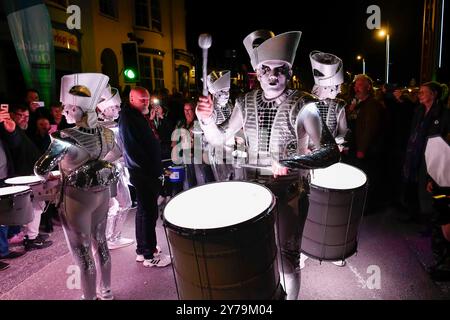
{"points": [[41, 181], [203, 232], [17, 194], [314, 186]]}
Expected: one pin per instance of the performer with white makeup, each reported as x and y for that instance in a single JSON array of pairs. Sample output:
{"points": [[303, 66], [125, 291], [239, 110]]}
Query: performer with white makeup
{"points": [[220, 158], [279, 125], [219, 87], [86, 180], [328, 71], [119, 206]]}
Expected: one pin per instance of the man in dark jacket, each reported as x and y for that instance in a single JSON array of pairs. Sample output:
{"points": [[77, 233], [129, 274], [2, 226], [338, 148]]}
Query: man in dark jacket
{"points": [[142, 154]]}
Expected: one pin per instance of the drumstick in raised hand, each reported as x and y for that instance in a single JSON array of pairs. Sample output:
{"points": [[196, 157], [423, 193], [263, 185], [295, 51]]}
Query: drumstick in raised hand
{"points": [[205, 42]]}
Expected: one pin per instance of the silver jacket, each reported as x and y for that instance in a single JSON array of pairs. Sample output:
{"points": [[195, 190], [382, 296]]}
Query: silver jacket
{"points": [[80, 153], [332, 112], [222, 113], [282, 130]]}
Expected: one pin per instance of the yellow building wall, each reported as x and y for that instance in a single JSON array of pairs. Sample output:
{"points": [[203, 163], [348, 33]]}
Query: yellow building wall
{"points": [[100, 32]]}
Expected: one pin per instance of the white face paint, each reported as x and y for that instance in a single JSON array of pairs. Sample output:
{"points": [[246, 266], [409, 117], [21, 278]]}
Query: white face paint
{"points": [[326, 92], [273, 76], [222, 97], [72, 113], [111, 113]]}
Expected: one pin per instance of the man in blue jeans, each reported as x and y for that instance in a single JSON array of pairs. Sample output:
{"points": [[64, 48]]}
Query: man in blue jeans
{"points": [[142, 155], [5, 254]]}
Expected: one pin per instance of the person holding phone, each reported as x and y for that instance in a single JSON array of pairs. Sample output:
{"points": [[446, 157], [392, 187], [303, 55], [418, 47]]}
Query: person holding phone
{"points": [[36, 109]]}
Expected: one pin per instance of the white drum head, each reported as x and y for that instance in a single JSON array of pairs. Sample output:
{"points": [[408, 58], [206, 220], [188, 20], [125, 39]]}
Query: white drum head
{"points": [[26, 180], [13, 190], [218, 205], [339, 176]]}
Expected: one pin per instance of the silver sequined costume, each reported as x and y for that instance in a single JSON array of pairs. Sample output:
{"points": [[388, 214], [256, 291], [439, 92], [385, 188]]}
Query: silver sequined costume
{"points": [[85, 194]]}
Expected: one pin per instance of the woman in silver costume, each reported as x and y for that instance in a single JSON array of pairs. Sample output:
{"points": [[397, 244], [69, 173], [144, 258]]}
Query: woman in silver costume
{"points": [[285, 138], [86, 180], [119, 206]]}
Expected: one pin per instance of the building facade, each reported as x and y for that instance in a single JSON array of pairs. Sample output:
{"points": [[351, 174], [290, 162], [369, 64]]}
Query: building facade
{"points": [[96, 46]]}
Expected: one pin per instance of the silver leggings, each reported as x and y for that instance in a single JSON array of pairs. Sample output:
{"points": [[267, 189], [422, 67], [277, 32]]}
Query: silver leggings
{"points": [[84, 216]]}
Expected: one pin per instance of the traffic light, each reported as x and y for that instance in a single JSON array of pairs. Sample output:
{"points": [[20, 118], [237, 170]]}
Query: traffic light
{"points": [[130, 62]]}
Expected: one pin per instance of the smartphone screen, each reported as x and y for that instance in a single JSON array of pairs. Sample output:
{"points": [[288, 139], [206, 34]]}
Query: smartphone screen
{"points": [[53, 128], [41, 104], [4, 107]]}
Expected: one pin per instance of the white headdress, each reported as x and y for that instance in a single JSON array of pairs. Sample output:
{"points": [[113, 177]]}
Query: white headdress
{"points": [[328, 69], [110, 98], [219, 81], [84, 90], [263, 45]]}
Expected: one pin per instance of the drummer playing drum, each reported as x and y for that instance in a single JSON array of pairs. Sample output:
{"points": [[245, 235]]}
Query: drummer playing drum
{"points": [[279, 123]]}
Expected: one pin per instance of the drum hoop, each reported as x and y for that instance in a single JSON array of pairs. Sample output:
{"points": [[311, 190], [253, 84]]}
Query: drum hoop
{"points": [[203, 232], [343, 190], [36, 183], [17, 194], [313, 186]]}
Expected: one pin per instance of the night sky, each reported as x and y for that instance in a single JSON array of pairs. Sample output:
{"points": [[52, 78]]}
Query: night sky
{"points": [[338, 27]]}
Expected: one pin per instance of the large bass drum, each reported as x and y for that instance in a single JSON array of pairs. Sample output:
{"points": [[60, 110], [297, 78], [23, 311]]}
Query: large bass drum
{"points": [[222, 239]]}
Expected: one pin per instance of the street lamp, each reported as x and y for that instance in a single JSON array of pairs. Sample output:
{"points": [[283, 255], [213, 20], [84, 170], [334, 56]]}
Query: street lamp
{"points": [[363, 62], [384, 33]]}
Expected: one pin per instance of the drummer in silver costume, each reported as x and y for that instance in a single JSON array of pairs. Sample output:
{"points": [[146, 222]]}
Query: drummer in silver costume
{"points": [[119, 206], [219, 84], [86, 180], [328, 72], [285, 137]]}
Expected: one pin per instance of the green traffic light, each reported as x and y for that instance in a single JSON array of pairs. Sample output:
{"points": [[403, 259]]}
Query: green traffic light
{"points": [[130, 74]]}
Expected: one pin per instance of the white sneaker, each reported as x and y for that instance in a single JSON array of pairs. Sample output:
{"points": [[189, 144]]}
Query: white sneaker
{"points": [[303, 258], [105, 295], [158, 260], [340, 263], [120, 243], [140, 257]]}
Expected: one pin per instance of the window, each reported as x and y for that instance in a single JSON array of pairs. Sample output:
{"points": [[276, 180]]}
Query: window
{"points": [[156, 15], [141, 11], [152, 72], [145, 64], [159, 73], [147, 14], [109, 8]]}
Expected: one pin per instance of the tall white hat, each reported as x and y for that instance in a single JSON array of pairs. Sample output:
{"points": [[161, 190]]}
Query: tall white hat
{"points": [[328, 69], [110, 97], [263, 45], [84, 90], [218, 81]]}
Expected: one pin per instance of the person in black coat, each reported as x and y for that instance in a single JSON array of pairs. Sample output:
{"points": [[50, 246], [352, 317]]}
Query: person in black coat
{"points": [[142, 154]]}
